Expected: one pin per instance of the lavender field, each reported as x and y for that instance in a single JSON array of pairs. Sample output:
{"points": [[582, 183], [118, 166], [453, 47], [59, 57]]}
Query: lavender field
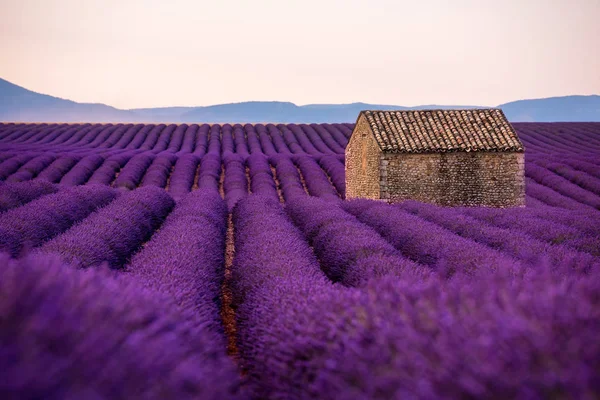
{"points": [[222, 262]]}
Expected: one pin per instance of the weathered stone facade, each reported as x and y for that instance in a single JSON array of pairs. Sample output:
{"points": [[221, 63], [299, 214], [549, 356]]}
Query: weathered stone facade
{"points": [[458, 178], [447, 178], [362, 163]]}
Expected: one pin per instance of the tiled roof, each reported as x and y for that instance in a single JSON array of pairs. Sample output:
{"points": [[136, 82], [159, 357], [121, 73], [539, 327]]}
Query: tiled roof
{"points": [[440, 131]]}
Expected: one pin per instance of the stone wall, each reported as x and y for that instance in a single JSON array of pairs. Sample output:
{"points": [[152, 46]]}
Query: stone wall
{"points": [[362, 163], [455, 179]]}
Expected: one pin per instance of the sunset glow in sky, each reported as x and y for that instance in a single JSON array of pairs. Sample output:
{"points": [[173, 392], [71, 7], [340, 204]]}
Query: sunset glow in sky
{"points": [[149, 53]]}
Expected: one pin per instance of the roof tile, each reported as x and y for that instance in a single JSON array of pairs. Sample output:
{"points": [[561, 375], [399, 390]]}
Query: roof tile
{"points": [[440, 131]]}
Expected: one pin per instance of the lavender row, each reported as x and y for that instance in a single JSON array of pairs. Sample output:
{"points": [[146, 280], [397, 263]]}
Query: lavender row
{"points": [[337, 134], [143, 136], [309, 139], [317, 182], [127, 137], [68, 333], [10, 166], [214, 140], [5, 156], [107, 172], [269, 247], [31, 225], [293, 134], [545, 140], [290, 141], [588, 222], [425, 242], [235, 184], [512, 242], [579, 178], [300, 337], [405, 339], [113, 233], [121, 132], [81, 135], [189, 140], [13, 195], [584, 166], [561, 185], [336, 173], [183, 176], [312, 139], [201, 146], [40, 136], [336, 146], [261, 178], [82, 171], [100, 137], [278, 140], [210, 172], [159, 171], [532, 202], [355, 257], [239, 140], [162, 142], [32, 168], [270, 256], [288, 178], [58, 168], [551, 197], [262, 143], [538, 228], [186, 258], [176, 140], [227, 144], [150, 139], [132, 173], [315, 139]]}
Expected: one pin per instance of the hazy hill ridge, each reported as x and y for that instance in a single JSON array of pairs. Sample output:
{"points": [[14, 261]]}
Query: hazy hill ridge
{"points": [[20, 104]]}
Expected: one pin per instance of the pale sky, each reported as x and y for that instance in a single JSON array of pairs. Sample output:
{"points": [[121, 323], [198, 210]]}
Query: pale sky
{"points": [[150, 53]]}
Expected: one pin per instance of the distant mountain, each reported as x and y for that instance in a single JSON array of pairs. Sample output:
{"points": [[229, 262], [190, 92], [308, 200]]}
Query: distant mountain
{"points": [[567, 108], [273, 111], [20, 104]]}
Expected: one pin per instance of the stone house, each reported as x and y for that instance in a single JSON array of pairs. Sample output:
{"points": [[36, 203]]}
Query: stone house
{"points": [[446, 157]]}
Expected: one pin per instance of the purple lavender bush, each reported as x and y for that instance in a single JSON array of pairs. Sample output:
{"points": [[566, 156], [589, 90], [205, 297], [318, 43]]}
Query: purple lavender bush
{"points": [[32, 168], [17, 194], [210, 172], [82, 171], [133, 172], [159, 171], [10, 166], [288, 177], [71, 334], [38, 221], [56, 170], [270, 254], [351, 258], [113, 233], [183, 176], [261, 177], [335, 171], [502, 336], [235, 182], [317, 181], [107, 172], [425, 242], [186, 258], [518, 245]]}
